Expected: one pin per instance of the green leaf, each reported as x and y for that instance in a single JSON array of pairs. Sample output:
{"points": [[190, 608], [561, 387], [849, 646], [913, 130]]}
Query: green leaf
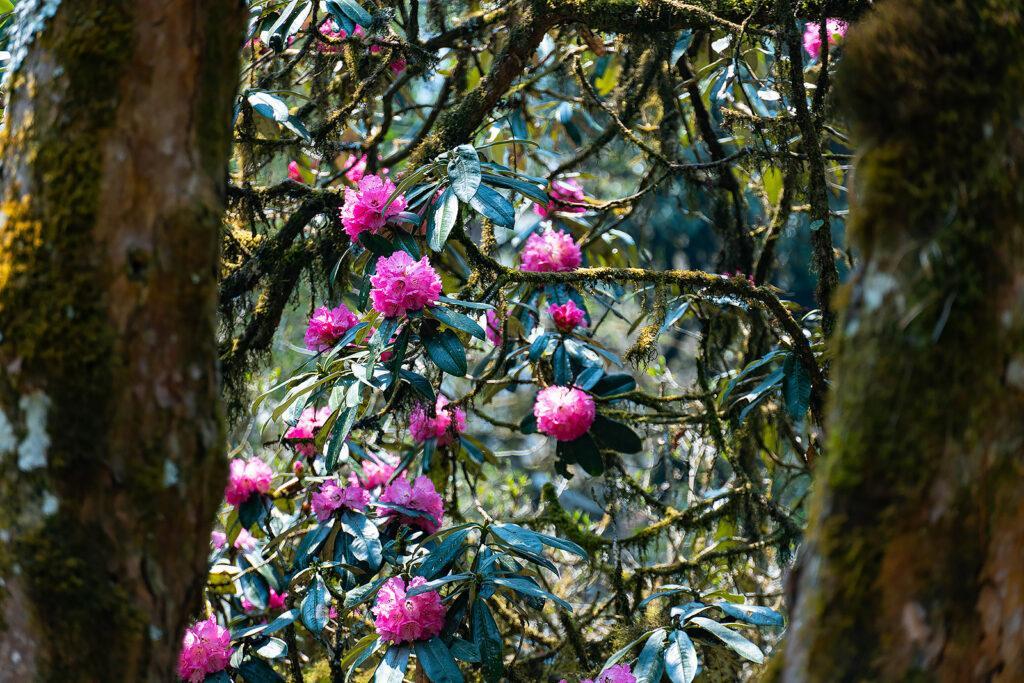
{"points": [[538, 347], [616, 436], [465, 651], [443, 555], [257, 671], [446, 351], [437, 583], [650, 664], [282, 620], [665, 591], [681, 658], [419, 383], [528, 425], [464, 172], [477, 305], [6, 6], [436, 661], [493, 206], [314, 606], [458, 320], [561, 369], [272, 648], [251, 511], [796, 387], [583, 452], [361, 594], [488, 641], [408, 244], [589, 377], [614, 385], [359, 652], [528, 190], [619, 654], [751, 614], [354, 11], [365, 545], [734, 641], [393, 666], [446, 213], [527, 587]]}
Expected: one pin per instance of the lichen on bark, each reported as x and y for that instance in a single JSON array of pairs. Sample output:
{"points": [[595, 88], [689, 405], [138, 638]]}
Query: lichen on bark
{"points": [[920, 492]]}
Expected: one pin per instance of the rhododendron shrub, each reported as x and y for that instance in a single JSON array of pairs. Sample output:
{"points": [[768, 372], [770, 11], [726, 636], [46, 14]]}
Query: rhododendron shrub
{"points": [[518, 424]]}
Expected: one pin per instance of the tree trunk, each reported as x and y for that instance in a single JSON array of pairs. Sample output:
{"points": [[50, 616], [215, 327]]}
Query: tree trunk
{"points": [[914, 566], [114, 147]]}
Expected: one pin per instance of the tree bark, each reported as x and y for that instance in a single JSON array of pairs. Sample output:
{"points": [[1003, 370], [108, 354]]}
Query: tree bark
{"points": [[914, 568], [114, 149]]}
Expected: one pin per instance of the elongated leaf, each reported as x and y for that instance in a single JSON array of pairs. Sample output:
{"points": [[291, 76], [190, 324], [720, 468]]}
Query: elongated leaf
{"points": [[314, 606], [393, 666], [447, 352], [437, 662], [257, 671], [465, 651], [650, 664], [437, 583], [354, 11], [446, 213], [616, 435], [488, 641], [562, 371], [527, 587], [365, 538], [443, 555], [464, 172], [796, 387], [583, 452], [751, 614], [419, 383], [681, 658], [272, 648], [528, 190], [614, 384], [734, 641], [493, 206], [458, 321], [283, 619]]}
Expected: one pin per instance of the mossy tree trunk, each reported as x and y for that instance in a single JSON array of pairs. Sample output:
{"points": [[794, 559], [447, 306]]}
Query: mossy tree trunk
{"points": [[914, 568], [114, 147]]}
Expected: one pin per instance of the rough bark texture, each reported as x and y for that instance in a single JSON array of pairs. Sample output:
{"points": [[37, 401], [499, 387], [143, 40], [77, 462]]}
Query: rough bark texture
{"points": [[114, 148], [913, 569]]}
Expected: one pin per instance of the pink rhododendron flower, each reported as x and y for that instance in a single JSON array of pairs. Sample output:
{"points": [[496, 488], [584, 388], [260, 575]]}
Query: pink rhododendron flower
{"points": [[302, 434], [294, 172], [493, 328], [205, 649], [277, 600], [423, 427], [397, 65], [376, 472], [327, 326], [218, 539], [422, 496], [356, 169], [565, 413], [568, 316], [364, 208], [562, 191], [332, 497], [402, 284], [246, 478], [402, 619], [245, 541], [331, 30], [551, 251], [812, 35]]}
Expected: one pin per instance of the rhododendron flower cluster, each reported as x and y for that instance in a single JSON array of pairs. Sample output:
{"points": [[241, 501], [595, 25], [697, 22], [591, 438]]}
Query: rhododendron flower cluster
{"points": [[551, 251], [302, 434], [355, 170], [493, 328], [568, 316], [327, 326], [403, 619], [376, 472], [218, 539], [619, 673], [245, 541], [403, 284], [205, 649], [565, 413], [836, 29], [294, 172], [423, 427], [246, 478], [364, 209], [332, 497], [562, 191], [420, 495]]}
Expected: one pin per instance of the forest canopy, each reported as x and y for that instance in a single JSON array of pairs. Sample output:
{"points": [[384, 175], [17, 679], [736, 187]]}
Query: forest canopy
{"points": [[549, 340]]}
